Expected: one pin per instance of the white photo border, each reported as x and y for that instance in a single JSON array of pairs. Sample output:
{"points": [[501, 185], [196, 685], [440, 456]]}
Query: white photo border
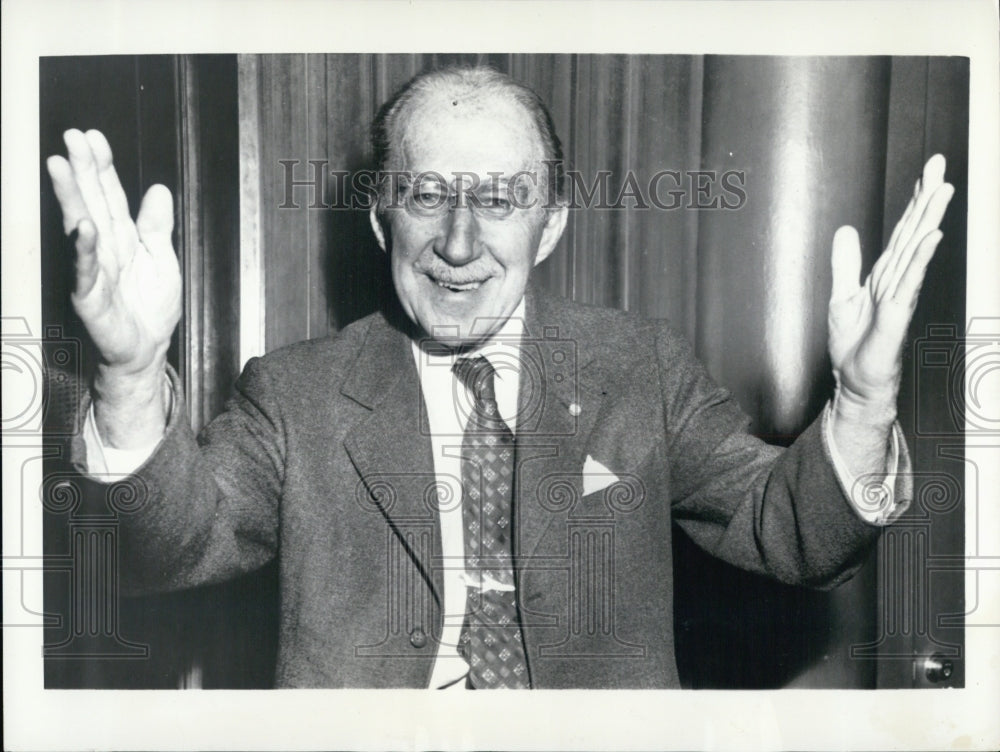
{"points": [[36, 718]]}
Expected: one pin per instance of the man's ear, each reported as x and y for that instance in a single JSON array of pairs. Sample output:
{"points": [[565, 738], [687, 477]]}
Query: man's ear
{"points": [[376, 223], [555, 223]]}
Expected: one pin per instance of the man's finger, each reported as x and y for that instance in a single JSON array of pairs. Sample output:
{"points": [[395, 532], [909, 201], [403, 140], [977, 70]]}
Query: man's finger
{"points": [[913, 275], [887, 261], [931, 179], [894, 238], [934, 169], [934, 211], [928, 222], [85, 171], [107, 176], [87, 267], [155, 222], [910, 229], [125, 236], [67, 193], [845, 261]]}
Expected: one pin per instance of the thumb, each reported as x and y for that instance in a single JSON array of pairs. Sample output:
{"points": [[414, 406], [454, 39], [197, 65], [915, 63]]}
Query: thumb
{"points": [[846, 263], [155, 222]]}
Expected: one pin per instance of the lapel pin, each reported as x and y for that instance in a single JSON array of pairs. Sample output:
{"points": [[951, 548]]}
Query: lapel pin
{"points": [[574, 409]]}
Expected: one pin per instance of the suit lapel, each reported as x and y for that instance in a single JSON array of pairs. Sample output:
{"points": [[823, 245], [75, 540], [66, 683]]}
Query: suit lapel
{"points": [[391, 448], [560, 397], [558, 405]]}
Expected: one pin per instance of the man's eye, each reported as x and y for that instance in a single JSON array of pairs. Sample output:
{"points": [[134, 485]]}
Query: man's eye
{"points": [[426, 200], [427, 197], [495, 204]]}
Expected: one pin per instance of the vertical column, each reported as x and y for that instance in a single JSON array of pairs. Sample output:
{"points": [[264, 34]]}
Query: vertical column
{"points": [[809, 137], [809, 134]]}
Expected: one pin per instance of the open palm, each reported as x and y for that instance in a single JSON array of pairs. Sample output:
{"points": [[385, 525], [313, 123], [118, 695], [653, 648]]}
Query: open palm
{"points": [[128, 285], [868, 322]]}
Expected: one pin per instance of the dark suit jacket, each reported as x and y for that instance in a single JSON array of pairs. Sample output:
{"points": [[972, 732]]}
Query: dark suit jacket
{"points": [[323, 460]]}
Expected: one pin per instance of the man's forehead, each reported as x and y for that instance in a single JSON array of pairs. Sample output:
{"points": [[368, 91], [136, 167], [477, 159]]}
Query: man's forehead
{"points": [[481, 133]]}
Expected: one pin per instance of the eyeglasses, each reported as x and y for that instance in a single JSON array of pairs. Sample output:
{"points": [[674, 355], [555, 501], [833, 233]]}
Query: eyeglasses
{"points": [[430, 197]]}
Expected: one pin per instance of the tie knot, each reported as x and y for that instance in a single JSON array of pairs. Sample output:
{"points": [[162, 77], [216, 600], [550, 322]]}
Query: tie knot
{"points": [[477, 375]]}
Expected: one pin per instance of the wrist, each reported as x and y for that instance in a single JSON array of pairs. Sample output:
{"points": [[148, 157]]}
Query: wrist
{"points": [[876, 411], [130, 406], [121, 385]]}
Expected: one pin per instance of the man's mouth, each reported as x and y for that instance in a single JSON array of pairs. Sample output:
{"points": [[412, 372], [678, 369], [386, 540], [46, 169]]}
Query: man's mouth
{"points": [[459, 286]]}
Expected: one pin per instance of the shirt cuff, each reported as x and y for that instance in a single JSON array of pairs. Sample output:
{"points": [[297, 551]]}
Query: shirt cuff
{"points": [[871, 496], [108, 464]]}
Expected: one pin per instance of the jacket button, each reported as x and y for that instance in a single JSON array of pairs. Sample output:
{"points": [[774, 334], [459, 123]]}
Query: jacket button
{"points": [[417, 638]]}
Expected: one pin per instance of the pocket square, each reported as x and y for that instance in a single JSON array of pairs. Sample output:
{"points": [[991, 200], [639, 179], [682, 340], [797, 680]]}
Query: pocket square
{"points": [[596, 477]]}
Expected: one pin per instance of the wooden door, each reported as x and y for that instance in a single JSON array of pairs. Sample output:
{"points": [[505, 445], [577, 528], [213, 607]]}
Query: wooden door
{"points": [[170, 120]]}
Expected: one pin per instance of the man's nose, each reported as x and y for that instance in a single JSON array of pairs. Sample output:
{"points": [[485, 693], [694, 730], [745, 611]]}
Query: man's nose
{"points": [[457, 244]]}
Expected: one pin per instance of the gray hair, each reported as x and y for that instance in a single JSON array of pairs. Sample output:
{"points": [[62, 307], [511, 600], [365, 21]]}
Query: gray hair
{"points": [[478, 80]]}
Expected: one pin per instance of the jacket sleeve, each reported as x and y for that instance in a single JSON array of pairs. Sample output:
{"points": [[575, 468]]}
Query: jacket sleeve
{"points": [[206, 508], [779, 512]]}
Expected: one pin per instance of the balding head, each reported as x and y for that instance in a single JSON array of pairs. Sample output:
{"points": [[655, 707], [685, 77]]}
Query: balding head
{"points": [[465, 209], [468, 92]]}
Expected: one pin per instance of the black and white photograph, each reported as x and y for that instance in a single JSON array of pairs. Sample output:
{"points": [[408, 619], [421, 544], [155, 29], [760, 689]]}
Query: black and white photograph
{"points": [[367, 367]]}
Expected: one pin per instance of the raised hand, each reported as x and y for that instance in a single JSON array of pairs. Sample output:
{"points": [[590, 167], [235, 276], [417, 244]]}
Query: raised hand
{"points": [[868, 322], [128, 285]]}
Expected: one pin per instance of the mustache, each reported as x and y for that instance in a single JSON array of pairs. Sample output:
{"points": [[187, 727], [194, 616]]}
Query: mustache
{"points": [[477, 271]]}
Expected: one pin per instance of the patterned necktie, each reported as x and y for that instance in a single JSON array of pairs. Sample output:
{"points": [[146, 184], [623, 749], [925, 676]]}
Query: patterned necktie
{"points": [[491, 641]]}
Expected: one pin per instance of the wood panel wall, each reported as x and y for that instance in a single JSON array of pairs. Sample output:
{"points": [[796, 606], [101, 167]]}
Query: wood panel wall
{"points": [[922, 606], [170, 120], [133, 100]]}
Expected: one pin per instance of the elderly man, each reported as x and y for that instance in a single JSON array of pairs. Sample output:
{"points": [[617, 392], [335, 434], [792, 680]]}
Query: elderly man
{"points": [[476, 489]]}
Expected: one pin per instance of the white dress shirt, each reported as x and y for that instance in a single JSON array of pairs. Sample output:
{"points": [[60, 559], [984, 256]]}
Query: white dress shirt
{"points": [[448, 404]]}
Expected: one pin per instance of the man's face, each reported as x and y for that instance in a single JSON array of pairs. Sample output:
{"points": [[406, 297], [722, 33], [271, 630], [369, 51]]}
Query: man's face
{"points": [[460, 254]]}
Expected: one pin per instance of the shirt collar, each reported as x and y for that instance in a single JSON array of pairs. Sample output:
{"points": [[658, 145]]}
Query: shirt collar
{"points": [[500, 349]]}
